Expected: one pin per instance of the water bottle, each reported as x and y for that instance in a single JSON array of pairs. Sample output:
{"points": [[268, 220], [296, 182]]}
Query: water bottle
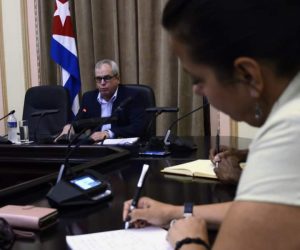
{"points": [[12, 128]]}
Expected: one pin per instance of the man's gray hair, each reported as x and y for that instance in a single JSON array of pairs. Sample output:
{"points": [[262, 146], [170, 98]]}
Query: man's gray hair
{"points": [[114, 66]]}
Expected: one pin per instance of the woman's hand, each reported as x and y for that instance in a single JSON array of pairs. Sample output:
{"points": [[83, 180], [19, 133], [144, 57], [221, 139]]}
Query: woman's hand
{"points": [[150, 211], [225, 151], [228, 170], [191, 227]]}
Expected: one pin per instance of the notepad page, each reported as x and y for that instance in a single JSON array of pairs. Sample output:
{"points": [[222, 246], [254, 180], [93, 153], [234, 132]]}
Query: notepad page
{"points": [[200, 168], [149, 238]]}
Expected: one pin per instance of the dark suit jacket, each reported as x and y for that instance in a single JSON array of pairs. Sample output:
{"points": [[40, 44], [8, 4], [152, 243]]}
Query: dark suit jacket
{"points": [[131, 120]]}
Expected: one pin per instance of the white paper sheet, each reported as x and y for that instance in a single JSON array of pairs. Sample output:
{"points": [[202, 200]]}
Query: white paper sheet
{"points": [[149, 238], [122, 141]]}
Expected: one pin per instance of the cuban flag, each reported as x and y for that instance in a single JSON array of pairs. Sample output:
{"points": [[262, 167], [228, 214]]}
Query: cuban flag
{"points": [[64, 52]]}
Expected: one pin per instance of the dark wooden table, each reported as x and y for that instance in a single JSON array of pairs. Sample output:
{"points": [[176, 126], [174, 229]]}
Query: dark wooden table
{"points": [[123, 175]]}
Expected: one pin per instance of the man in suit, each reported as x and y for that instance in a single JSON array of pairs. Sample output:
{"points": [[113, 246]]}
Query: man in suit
{"points": [[103, 102]]}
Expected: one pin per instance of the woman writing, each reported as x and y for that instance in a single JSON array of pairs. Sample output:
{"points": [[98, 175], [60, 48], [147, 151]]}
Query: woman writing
{"points": [[245, 57]]}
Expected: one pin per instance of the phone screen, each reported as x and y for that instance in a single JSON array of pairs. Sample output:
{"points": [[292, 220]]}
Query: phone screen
{"points": [[86, 182]]}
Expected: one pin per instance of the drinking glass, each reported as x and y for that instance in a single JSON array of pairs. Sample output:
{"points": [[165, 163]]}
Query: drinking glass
{"points": [[24, 132]]}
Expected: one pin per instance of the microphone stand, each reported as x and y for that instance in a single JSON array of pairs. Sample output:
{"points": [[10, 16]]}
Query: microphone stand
{"points": [[70, 149], [156, 114], [63, 193], [10, 113], [182, 146], [155, 142], [167, 135], [56, 193], [157, 111]]}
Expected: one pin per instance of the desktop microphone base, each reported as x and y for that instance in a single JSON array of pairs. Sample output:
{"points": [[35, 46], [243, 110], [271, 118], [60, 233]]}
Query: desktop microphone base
{"points": [[176, 144], [155, 147], [85, 189]]}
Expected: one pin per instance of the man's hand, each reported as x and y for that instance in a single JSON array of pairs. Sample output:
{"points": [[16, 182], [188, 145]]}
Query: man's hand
{"points": [[100, 136], [65, 131]]}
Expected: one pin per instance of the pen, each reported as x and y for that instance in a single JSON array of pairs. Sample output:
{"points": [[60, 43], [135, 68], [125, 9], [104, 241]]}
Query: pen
{"points": [[218, 145], [137, 191]]}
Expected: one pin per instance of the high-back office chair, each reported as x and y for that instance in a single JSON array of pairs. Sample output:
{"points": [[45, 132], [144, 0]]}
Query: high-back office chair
{"points": [[149, 101], [47, 109]]}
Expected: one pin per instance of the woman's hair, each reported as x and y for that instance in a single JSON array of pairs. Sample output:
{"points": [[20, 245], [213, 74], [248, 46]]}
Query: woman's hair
{"points": [[114, 66], [216, 32]]}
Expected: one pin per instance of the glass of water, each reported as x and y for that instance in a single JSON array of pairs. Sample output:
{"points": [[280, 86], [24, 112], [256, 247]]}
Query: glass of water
{"points": [[24, 132]]}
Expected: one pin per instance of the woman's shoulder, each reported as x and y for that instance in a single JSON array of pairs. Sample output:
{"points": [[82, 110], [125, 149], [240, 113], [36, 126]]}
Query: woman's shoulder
{"points": [[282, 121]]}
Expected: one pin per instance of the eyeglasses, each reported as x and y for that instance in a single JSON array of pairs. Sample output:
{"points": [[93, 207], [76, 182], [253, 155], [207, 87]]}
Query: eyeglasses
{"points": [[7, 235], [105, 78]]}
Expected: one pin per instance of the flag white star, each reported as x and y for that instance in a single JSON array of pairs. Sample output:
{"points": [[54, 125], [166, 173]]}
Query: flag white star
{"points": [[62, 11]]}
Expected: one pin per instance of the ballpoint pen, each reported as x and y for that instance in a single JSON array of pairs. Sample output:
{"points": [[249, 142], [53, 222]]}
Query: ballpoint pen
{"points": [[137, 191]]}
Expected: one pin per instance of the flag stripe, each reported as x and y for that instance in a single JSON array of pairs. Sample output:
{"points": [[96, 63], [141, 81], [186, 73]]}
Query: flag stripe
{"points": [[65, 58], [73, 85], [67, 42]]}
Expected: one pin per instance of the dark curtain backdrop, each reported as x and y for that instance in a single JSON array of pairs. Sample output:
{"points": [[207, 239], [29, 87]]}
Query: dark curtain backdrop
{"points": [[129, 32]]}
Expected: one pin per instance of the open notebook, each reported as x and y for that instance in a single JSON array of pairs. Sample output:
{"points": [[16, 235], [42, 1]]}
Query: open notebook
{"points": [[148, 238], [198, 168]]}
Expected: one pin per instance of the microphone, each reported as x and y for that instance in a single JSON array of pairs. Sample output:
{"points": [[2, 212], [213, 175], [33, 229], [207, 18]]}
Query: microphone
{"points": [[160, 145], [167, 135], [162, 109], [10, 113], [45, 112]]}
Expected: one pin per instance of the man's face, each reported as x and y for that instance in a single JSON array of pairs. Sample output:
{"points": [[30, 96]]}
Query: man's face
{"points": [[107, 83]]}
